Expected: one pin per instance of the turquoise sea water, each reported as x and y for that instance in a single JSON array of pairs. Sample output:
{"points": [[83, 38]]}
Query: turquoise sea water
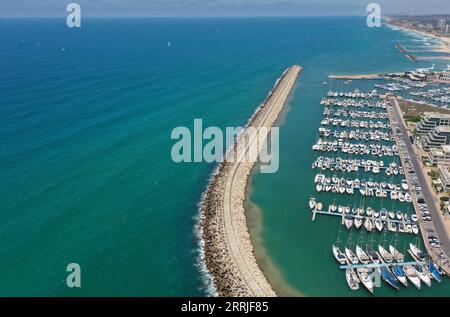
{"points": [[85, 169]]}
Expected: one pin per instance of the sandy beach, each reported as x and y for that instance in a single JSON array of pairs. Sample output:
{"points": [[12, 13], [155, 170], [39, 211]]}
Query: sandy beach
{"points": [[229, 254]]}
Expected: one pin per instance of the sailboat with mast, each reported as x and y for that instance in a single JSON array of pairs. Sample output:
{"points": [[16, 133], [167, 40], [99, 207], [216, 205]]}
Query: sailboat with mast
{"points": [[337, 253]]}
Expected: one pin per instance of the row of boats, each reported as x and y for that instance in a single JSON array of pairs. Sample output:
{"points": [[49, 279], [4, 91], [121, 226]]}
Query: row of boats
{"points": [[375, 135], [347, 123], [371, 219], [389, 265], [392, 87], [354, 113], [383, 213], [362, 124], [324, 180], [382, 189], [361, 264], [352, 103], [355, 165], [355, 148], [353, 94], [441, 95], [370, 224]]}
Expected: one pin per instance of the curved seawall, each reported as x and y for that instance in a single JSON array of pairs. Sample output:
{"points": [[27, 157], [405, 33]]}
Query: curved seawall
{"points": [[228, 250]]}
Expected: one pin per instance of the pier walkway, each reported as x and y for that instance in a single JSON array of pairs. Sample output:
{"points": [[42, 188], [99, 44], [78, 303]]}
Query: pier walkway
{"points": [[316, 212], [383, 264], [237, 241]]}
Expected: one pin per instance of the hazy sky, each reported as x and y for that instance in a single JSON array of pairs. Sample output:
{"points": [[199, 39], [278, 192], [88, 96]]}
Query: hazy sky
{"points": [[219, 7]]}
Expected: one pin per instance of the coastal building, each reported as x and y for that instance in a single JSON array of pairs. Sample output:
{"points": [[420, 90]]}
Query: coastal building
{"points": [[437, 137], [444, 79], [416, 76], [430, 120], [440, 156], [441, 25], [444, 173]]}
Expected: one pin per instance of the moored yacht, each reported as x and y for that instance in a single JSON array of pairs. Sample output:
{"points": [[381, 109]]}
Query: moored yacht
{"points": [[399, 257], [416, 253], [435, 272], [352, 279], [422, 273], [312, 203], [339, 256], [351, 256], [404, 185], [362, 256], [400, 275], [379, 225], [366, 280], [348, 221], [387, 257], [333, 207], [368, 224], [358, 222], [373, 255], [387, 276], [411, 274]]}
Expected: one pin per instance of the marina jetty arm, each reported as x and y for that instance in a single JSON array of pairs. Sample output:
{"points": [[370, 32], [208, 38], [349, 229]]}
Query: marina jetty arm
{"points": [[356, 77], [228, 250]]}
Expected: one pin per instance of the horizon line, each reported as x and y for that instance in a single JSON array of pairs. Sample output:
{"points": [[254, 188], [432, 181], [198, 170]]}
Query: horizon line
{"points": [[215, 16]]}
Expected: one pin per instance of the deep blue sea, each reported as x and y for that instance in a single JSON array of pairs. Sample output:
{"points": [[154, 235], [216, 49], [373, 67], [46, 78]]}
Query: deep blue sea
{"points": [[86, 116]]}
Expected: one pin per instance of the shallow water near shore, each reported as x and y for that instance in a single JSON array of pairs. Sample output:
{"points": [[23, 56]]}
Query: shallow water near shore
{"points": [[86, 117]]}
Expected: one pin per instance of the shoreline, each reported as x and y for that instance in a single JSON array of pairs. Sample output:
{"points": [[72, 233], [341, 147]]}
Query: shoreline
{"points": [[228, 251], [444, 46]]}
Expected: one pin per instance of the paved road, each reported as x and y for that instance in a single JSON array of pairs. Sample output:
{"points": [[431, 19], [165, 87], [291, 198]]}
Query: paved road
{"points": [[427, 191], [250, 273]]}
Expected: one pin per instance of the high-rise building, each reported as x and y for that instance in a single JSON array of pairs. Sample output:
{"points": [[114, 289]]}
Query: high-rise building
{"points": [[441, 25], [447, 29]]}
